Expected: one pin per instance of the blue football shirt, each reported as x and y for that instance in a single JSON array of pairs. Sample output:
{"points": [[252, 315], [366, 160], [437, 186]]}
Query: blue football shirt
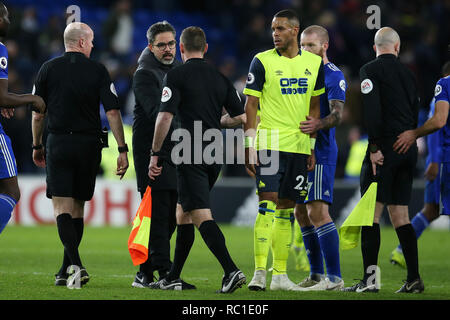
{"points": [[3, 67], [442, 92], [326, 148]]}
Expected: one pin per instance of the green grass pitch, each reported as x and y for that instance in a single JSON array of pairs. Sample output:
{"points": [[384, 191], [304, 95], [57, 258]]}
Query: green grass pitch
{"points": [[30, 256]]}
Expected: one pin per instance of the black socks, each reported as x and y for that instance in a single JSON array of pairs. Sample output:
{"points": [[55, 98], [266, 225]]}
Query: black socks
{"points": [[69, 237], [214, 239], [408, 241], [370, 246], [185, 239], [78, 224]]}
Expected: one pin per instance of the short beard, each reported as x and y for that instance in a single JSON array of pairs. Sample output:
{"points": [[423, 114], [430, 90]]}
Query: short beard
{"points": [[166, 62]]}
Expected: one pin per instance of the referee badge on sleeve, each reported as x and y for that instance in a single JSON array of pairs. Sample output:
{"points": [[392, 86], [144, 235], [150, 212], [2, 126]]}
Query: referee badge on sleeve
{"points": [[366, 86], [166, 94], [113, 89], [437, 90]]}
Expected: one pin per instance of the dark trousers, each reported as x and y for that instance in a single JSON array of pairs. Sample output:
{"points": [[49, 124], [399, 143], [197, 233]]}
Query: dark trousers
{"points": [[164, 204]]}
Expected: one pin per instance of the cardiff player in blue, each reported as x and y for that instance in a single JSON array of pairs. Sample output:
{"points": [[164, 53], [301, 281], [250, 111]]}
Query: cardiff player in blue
{"points": [[9, 188], [320, 237], [430, 211], [440, 119]]}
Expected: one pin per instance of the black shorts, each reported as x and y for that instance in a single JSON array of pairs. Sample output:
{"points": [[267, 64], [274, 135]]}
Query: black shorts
{"points": [[194, 183], [73, 161], [290, 181], [395, 176]]}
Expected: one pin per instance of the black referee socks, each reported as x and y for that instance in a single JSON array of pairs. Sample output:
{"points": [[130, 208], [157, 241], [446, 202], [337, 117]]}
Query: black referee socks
{"points": [[78, 224], [214, 239], [370, 246], [407, 237], [185, 239], [68, 236]]}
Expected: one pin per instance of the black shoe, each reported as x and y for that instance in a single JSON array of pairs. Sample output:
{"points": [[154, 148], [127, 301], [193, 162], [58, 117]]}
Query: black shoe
{"points": [[177, 284], [84, 276], [141, 280], [415, 286], [163, 274], [61, 279], [361, 287], [233, 281]]}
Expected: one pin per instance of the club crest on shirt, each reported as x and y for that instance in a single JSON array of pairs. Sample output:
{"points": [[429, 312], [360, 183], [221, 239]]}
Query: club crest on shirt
{"points": [[3, 62], [366, 86], [437, 90], [166, 94]]}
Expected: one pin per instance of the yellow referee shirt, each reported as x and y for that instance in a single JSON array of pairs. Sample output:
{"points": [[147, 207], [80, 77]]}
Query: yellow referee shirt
{"points": [[284, 87]]}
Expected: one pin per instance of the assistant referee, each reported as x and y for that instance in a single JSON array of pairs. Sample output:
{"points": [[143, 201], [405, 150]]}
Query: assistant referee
{"points": [[390, 107], [73, 86]]}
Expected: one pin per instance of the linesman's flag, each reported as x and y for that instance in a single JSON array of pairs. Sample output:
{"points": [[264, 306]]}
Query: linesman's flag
{"points": [[138, 240], [361, 215]]}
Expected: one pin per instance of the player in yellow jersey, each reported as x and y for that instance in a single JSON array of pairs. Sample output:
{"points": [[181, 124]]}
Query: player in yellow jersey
{"points": [[286, 83]]}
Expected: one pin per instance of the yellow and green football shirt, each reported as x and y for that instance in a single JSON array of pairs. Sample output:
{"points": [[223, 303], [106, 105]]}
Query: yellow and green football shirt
{"points": [[284, 87]]}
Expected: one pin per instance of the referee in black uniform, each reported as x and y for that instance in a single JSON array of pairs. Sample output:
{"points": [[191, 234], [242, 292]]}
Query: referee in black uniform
{"points": [[73, 86], [390, 107], [155, 61], [196, 92]]}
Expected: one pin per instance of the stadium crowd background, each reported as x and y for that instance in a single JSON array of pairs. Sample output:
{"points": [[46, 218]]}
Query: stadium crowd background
{"points": [[236, 30]]}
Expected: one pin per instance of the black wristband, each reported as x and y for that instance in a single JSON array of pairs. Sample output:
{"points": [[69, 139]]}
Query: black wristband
{"points": [[123, 149], [155, 153], [38, 147]]}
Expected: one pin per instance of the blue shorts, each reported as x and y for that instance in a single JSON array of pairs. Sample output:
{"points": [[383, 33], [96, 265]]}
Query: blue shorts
{"points": [[433, 190], [321, 183], [8, 168], [445, 188]]}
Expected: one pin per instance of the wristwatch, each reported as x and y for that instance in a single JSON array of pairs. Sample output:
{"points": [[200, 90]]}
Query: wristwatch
{"points": [[373, 148], [38, 147], [123, 149], [155, 153]]}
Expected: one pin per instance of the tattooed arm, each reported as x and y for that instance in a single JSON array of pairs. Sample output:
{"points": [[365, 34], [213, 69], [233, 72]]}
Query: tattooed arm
{"points": [[312, 125]]}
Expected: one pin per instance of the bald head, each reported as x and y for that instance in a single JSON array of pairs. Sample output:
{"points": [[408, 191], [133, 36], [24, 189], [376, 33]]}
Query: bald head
{"points": [[321, 32], [78, 37], [387, 40]]}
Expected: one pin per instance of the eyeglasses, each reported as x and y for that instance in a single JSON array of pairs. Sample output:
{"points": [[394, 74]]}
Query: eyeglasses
{"points": [[161, 45]]}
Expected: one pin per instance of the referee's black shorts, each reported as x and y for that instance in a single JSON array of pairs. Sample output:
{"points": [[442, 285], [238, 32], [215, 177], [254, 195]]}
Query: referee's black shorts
{"points": [[73, 161], [395, 176], [194, 183]]}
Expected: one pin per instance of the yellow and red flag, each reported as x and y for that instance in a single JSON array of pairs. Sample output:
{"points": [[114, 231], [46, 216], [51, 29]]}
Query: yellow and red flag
{"points": [[138, 240]]}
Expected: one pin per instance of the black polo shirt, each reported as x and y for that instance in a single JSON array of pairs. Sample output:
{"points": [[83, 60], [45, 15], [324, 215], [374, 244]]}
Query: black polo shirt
{"points": [[197, 91], [390, 99], [73, 86]]}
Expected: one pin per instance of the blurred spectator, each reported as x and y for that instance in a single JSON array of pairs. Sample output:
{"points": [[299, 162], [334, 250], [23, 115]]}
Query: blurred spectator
{"points": [[118, 29], [238, 29], [358, 146]]}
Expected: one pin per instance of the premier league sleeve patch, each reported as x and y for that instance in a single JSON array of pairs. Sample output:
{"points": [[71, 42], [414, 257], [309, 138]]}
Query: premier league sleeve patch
{"points": [[3, 63], [250, 78], [437, 90]]}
